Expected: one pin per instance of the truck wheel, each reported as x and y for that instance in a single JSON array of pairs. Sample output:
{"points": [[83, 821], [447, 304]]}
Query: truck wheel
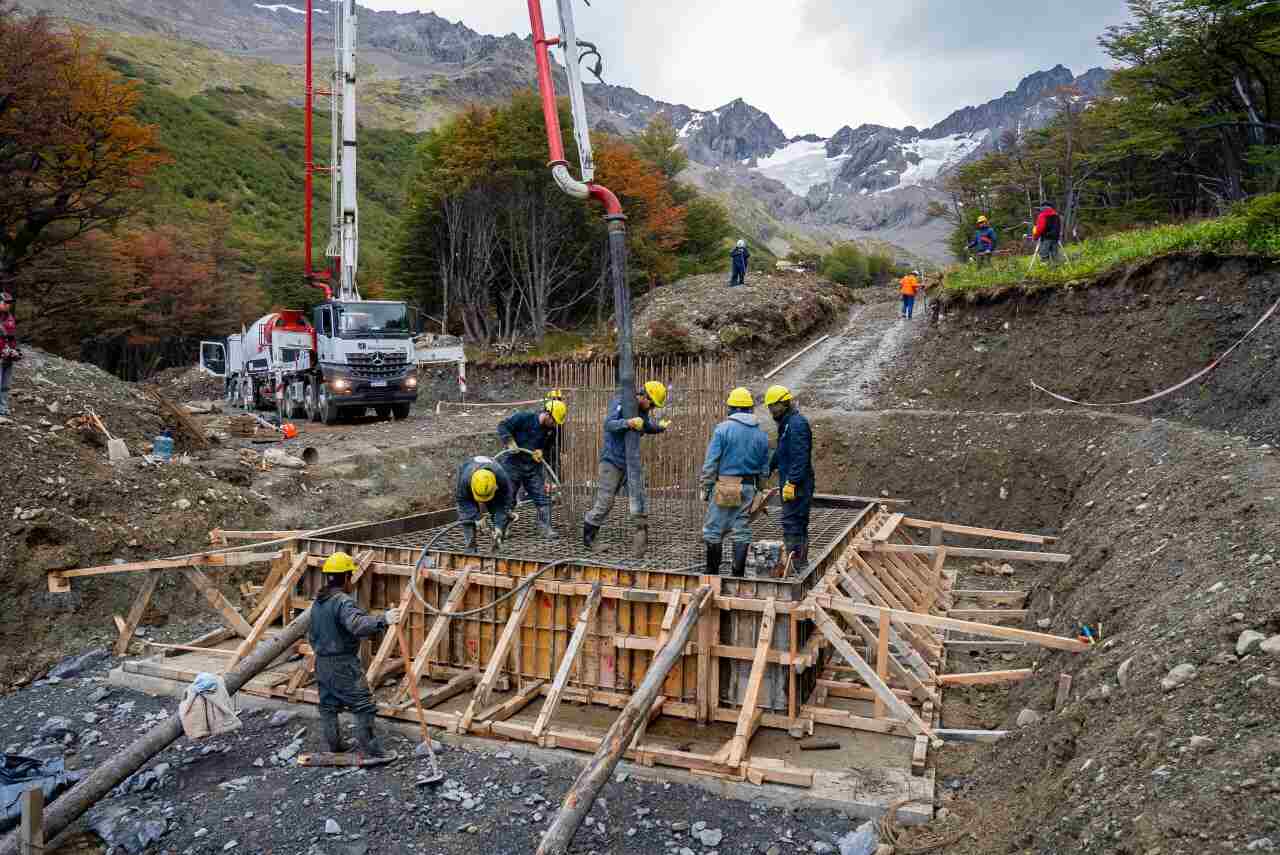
{"points": [[297, 405], [328, 409], [400, 411], [309, 400], [384, 412]]}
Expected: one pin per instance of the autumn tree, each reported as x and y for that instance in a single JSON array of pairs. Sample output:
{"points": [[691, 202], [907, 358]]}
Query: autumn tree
{"points": [[71, 152], [659, 144]]}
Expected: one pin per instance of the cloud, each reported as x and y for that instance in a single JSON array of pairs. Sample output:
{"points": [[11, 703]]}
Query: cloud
{"points": [[815, 65]]}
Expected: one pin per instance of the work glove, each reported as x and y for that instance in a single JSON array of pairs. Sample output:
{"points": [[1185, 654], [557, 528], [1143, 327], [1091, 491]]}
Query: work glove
{"points": [[665, 424], [537, 455], [788, 492], [636, 424], [393, 617]]}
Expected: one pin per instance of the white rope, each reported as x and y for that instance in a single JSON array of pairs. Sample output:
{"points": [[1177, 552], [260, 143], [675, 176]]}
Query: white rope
{"points": [[1193, 378]]}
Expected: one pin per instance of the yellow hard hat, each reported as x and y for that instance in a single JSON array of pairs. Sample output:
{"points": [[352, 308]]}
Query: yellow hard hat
{"points": [[656, 392], [740, 397], [338, 562], [555, 395], [982, 221], [484, 485], [558, 411], [776, 395]]}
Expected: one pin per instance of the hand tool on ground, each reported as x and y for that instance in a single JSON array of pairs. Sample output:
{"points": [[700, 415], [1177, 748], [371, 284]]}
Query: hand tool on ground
{"points": [[433, 774]]}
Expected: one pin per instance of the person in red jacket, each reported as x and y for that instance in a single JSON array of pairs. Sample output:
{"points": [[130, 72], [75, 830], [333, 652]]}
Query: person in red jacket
{"points": [[9, 353], [1048, 231]]}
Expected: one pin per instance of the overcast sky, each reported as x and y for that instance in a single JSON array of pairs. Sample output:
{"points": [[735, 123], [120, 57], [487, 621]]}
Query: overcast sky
{"points": [[815, 65]]}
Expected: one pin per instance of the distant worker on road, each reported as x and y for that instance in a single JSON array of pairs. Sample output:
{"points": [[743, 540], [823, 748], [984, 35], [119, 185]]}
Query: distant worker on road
{"points": [[793, 461], [908, 287], [737, 460], [740, 256], [1048, 231], [612, 476], [9, 353], [530, 440], [337, 626], [984, 242], [484, 485]]}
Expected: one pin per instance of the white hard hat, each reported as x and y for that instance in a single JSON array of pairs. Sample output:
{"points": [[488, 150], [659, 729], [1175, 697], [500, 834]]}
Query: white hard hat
{"points": [[741, 244]]}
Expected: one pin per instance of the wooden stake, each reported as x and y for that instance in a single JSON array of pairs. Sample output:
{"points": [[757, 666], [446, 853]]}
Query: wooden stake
{"points": [[232, 618], [139, 608], [585, 618], [496, 659], [282, 591], [31, 834], [882, 659], [582, 794]]}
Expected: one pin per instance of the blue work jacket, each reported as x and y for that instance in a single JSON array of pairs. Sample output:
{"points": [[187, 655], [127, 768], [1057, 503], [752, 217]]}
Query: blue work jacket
{"points": [[738, 447], [794, 458]]}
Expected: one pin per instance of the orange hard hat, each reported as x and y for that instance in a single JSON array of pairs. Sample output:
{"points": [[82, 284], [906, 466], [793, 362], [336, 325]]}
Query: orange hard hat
{"points": [[290, 430]]}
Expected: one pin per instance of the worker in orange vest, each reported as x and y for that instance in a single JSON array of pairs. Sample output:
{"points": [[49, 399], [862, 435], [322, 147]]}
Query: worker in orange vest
{"points": [[910, 285]]}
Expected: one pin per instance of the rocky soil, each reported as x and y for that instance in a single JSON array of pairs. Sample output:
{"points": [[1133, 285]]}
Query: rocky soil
{"points": [[758, 321]]}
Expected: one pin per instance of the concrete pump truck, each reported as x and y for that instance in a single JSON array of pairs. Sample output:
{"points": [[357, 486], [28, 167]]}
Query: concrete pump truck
{"points": [[352, 354]]}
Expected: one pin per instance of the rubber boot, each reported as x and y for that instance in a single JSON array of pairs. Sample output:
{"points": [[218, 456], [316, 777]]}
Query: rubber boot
{"points": [[740, 559], [332, 733], [715, 554], [366, 738], [795, 550], [544, 523], [589, 533], [468, 537]]}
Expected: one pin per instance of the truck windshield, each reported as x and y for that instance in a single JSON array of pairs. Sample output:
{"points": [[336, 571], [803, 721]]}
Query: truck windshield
{"points": [[373, 320]]}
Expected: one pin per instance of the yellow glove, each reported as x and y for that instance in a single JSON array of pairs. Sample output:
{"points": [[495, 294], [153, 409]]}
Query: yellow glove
{"points": [[537, 455], [789, 492], [636, 424], [665, 424]]}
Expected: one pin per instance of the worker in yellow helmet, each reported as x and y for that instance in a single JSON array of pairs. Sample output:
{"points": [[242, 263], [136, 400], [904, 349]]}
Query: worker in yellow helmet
{"points": [[737, 461], [612, 475], [337, 626], [793, 461], [484, 485], [531, 441]]}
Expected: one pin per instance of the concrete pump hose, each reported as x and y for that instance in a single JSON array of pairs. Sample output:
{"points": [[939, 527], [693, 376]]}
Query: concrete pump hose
{"points": [[545, 464], [68, 807]]}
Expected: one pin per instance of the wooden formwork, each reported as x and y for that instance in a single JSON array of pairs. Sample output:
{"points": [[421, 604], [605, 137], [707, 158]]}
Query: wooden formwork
{"points": [[854, 644]]}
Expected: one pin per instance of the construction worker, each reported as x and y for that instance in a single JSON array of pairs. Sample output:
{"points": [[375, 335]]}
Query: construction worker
{"points": [[1048, 231], [9, 352], [337, 626], [984, 241], [530, 440], [612, 476], [793, 461], [740, 256], [484, 485], [908, 286], [737, 459]]}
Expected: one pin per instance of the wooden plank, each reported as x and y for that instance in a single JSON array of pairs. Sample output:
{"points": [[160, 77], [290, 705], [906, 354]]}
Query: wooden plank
{"points": [[748, 720], [988, 615], [188, 425], [951, 734], [496, 659], [809, 655], [999, 597], [435, 635], [282, 591], [982, 678], [1056, 642], [389, 641], [129, 625], [506, 709], [585, 617], [985, 646], [31, 830], [882, 659], [993, 533], [232, 618], [220, 536], [896, 708], [457, 684], [223, 559], [887, 528], [852, 721], [856, 692], [1064, 691], [971, 552]]}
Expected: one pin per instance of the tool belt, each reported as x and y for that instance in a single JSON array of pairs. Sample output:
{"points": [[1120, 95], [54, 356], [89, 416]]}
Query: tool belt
{"points": [[728, 491]]}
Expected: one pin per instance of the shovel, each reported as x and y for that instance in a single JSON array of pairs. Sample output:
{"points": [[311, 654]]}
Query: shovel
{"points": [[434, 774], [116, 448]]}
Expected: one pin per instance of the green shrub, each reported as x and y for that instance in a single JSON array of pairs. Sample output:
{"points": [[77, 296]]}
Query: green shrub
{"points": [[847, 265]]}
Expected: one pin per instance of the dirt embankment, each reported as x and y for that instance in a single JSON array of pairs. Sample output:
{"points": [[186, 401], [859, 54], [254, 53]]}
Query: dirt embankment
{"points": [[702, 315], [1126, 336]]}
